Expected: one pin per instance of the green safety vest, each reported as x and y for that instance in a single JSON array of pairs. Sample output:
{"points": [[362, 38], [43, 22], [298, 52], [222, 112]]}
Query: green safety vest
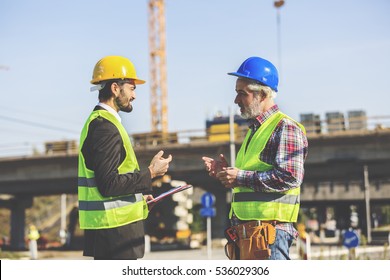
{"points": [[97, 211], [250, 205]]}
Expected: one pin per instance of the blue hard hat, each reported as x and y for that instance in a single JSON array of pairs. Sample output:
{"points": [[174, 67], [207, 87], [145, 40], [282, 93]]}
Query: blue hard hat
{"points": [[259, 70]]}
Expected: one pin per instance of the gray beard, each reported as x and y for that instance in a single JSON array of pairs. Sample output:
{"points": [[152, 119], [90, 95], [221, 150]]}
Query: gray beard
{"points": [[252, 111]]}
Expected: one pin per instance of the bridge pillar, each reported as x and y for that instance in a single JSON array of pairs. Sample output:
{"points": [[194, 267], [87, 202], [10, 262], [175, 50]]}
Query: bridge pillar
{"points": [[18, 220], [220, 222]]}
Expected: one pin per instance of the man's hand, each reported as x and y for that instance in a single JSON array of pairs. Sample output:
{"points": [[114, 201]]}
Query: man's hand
{"points": [[148, 197], [159, 165], [228, 177], [215, 166]]}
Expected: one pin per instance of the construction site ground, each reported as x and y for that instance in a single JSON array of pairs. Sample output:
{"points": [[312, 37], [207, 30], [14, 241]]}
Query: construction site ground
{"points": [[318, 252]]}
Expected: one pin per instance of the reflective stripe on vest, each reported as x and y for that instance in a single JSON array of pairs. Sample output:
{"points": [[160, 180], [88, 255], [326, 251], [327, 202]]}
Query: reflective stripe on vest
{"points": [[250, 205], [97, 211], [266, 197]]}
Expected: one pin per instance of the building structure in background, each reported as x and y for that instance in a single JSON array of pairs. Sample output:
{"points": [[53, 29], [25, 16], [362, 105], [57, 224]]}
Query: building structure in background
{"points": [[357, 120], [170, 221], [335, 122], [312, 123], [218, 128]]}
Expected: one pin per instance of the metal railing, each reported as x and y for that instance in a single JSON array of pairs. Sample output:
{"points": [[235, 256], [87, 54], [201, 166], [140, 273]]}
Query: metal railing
{"points": [[201, 136], [342, 126]]}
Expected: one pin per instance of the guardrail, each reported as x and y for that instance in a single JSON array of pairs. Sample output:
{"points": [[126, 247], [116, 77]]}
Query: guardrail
{"points": [[219, 133]]}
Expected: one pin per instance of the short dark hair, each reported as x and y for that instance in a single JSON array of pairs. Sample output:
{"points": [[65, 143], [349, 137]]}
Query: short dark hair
{"points": [[105, 93]]}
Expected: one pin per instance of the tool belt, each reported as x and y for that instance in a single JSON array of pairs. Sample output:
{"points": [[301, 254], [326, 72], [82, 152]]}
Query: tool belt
{"points": [[250, 241]]}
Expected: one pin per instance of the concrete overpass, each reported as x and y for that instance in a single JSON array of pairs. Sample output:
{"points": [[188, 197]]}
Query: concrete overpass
{"points": [[334, 174]]}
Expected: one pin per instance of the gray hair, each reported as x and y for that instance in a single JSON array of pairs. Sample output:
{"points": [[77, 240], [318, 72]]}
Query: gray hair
{"points": [[263, 90]]}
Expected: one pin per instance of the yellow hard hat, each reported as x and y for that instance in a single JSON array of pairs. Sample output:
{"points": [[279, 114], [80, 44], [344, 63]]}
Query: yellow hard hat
{"points": [[113, 68]]}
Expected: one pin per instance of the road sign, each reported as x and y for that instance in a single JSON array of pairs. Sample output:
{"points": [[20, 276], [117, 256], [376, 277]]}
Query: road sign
{"points": [[208, 212], [207, 200], [351, 239]]}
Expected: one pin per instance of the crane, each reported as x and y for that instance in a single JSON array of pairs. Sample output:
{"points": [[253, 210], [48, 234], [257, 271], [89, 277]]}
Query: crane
{"points": [[158, 75], [157, 59]]}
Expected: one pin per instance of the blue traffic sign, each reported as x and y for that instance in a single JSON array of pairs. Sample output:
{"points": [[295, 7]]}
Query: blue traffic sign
{"points": [[351, 239], [208, 212], [207, 200]]}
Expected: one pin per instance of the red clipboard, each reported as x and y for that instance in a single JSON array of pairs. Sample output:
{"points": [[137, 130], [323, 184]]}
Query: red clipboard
{"points": [[164, 195]]}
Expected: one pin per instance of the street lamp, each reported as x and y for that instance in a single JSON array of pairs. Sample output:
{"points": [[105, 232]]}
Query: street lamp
{"points": [[278, 5]]}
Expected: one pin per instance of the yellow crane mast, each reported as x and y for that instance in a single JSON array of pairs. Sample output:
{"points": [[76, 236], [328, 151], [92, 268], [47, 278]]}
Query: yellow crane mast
{"points": [[158, 75]]}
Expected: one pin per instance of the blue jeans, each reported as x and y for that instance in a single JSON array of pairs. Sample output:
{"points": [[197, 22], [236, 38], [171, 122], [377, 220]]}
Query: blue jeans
{"points": [[280, 248]]}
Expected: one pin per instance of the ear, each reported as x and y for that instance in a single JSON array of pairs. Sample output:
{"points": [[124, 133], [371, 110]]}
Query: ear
{"points": [[263, 95], [115, 89]]}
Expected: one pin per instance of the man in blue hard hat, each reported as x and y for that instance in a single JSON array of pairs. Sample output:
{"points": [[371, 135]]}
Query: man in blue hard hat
{"points": [[269, 169]]}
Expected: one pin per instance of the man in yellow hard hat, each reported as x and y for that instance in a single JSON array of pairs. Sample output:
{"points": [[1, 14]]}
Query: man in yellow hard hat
{"points": [[111, 187]]}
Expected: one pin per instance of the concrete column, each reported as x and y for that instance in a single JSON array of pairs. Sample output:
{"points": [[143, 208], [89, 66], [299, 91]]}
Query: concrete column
{"points": [[18, 220], [220, 222]]}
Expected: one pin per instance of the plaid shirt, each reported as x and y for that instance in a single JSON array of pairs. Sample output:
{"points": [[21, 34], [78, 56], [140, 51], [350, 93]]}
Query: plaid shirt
{"points": [[286, 150]]}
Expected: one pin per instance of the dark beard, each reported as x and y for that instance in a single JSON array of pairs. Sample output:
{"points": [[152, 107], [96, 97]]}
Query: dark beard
{"points": [[122, 104], [126, 109]]}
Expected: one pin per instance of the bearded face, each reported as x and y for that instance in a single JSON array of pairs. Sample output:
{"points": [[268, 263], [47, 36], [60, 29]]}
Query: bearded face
{"points": [[125, 97], [252, 110], [249, 99], [123, 101]]}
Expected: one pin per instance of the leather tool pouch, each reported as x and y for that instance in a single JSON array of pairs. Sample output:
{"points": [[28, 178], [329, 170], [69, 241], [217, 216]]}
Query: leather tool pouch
{"points": [[253, 241], [231, 247], [232, 251]]}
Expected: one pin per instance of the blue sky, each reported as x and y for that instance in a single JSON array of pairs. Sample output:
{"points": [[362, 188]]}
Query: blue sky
{"points": [[335, 56]]}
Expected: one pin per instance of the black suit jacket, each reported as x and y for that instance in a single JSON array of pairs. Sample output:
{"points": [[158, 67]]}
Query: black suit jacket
{"points": [[103, 152]]}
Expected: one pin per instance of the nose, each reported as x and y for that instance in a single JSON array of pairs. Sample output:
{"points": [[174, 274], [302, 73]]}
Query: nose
{"points": [[236, 99]]}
